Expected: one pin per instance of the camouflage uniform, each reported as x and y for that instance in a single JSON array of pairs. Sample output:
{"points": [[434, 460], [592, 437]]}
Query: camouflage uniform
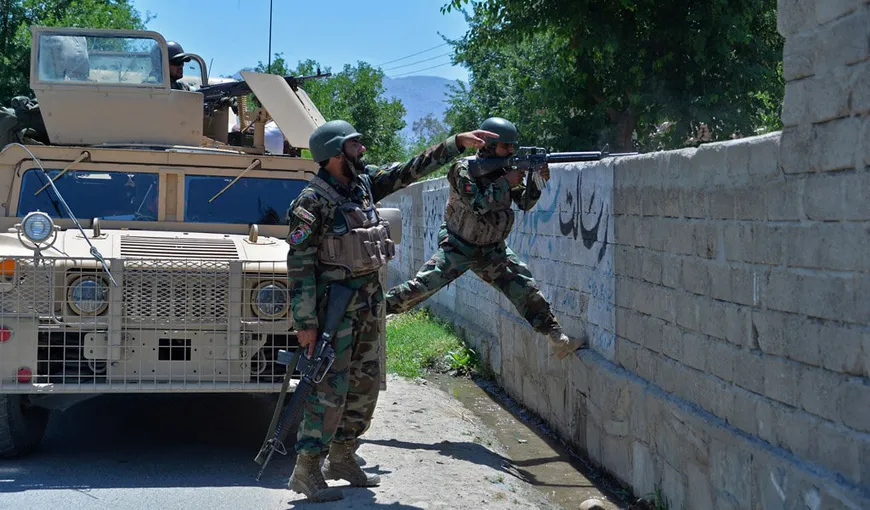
{"points": [[341, 406], [478, 219]]}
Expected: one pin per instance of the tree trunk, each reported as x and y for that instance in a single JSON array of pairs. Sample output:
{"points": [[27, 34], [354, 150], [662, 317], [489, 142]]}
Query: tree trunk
{"points": [[625, 126]]}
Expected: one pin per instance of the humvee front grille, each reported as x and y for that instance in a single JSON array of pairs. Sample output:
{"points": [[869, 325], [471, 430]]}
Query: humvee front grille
{"points": [[178, 248], [28, 290], [176, 292]]}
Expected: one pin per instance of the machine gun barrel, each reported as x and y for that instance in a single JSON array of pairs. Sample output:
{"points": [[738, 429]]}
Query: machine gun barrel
{"points": [[238, 88]]}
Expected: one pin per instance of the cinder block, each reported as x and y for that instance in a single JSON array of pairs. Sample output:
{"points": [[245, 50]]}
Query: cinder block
{"points": [[738, 241], [769, 328], [695, 350], [646, 364], [687, 311], [750, 204], [626, 353], [839, 450], [625, 231], [860, 92], [711, 313], [674, 486], [819, 391], [825, 296], [657, 234], [730, 474], [858, 306], [784, 198], [720, 360], [793, 17], [830, 95], [796, 431], [696, 279], [720, 281], [803, 337], [663, 304], [835, 142], [707, 240], [671, 205], [796, 102], [627, 261], [672, 269], [737, 324], [765, 417], [843, 350], [710, 161], [722, 203], [782, 290], [652, 266], [744, 411], [844, 42], [707, 393], [854, 404], [679, 237], [829, 10], [781, 380], [798, 55], [694, 203], [672, 342], [796, 149], [858, 185], [844, 246], [651, 336], [699, 493], [802, 243], [767, 243], [643, 479], [670, 376], [745, 285]]}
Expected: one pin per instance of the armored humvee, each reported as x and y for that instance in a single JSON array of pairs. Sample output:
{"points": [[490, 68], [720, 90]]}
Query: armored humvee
{"points": [[141, 251]]}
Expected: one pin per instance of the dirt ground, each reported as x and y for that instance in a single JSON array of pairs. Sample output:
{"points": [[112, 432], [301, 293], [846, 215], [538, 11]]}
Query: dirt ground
{"points": [[432, 451]]}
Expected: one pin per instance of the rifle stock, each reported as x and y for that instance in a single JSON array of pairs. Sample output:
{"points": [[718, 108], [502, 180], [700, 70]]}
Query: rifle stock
{"points": [[312, 370]]}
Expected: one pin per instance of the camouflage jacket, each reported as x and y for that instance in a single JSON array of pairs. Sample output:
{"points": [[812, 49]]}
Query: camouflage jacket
{"points": [[487, 193], [311, 215]]}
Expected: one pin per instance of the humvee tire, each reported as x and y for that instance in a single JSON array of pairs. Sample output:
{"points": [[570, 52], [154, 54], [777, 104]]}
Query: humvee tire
{"points": [[21, 426]]}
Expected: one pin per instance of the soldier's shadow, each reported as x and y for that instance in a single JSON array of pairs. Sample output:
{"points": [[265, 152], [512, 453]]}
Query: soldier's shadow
{"points": [[353, 498]]}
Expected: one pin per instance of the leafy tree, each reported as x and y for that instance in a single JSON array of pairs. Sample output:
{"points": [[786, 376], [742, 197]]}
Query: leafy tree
{"points": [[16, 17], [354, 94], [590, 71]]}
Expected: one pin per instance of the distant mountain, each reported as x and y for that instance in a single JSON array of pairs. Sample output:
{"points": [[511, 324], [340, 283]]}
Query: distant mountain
{"points": [[421, 95]]}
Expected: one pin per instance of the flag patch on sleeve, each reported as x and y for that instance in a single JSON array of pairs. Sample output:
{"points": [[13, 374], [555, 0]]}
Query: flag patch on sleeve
{"points": [[300, 233], [304, 215], [469, 187]]}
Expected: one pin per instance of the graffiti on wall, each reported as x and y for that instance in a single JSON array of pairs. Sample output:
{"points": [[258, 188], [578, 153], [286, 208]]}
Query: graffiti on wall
{"points": [[573, 223]]}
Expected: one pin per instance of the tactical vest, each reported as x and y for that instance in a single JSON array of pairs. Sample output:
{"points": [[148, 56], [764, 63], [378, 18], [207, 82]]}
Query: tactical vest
{"points": [[360, 243], [494, 226]]}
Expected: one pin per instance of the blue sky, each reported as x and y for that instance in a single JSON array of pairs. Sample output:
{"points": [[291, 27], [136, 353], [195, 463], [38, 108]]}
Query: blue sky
{"points": [[235, 33]]}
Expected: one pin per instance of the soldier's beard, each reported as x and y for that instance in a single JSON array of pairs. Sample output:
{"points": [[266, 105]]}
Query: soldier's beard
{"points": [[353, 166]]}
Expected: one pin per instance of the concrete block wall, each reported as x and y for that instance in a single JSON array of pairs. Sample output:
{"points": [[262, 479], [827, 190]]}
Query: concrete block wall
{"points": [[726, 289]]}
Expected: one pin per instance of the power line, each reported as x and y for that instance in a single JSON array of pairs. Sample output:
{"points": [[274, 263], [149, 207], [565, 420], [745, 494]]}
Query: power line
{"points": [[412, 55], [417, 62], [419, 70]]}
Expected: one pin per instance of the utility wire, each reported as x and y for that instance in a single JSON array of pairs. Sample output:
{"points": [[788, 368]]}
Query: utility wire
{"points": [[418, 70], [412, 55], [417, 62]]}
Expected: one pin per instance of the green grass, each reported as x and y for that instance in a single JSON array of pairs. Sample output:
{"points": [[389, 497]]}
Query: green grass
{"points": [[418, 343]]}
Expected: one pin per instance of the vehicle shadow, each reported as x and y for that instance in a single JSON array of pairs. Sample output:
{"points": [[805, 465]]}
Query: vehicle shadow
{"points": [[151, 440]]}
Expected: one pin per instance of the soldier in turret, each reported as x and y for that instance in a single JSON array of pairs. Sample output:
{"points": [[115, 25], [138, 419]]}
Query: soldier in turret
{"points": [[336, 235], [477, 220]]}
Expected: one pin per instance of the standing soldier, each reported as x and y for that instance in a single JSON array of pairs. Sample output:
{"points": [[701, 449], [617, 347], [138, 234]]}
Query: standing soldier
{"points": [[336, 235], [477, 220]]}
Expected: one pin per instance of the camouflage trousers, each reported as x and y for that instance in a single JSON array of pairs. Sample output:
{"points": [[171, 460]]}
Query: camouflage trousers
{"points": [[495, 264], [341, 406]]}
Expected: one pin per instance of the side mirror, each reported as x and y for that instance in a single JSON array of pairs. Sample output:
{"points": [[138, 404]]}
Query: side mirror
{"points": [[394, 216]]}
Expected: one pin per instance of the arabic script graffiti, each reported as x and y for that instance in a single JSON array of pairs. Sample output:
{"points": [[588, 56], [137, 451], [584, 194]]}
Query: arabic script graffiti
{"points": [[574, 225]]}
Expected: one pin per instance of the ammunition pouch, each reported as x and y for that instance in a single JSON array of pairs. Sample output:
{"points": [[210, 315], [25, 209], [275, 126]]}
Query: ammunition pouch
{"points": [[489, 228]]}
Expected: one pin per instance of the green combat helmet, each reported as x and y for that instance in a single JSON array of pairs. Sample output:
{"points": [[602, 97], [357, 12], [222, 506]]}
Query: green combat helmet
{"points": [[505, 129], [327, 140]]}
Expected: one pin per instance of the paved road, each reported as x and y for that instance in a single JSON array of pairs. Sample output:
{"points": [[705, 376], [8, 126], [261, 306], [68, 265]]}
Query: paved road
{"points": [[196, 452]]}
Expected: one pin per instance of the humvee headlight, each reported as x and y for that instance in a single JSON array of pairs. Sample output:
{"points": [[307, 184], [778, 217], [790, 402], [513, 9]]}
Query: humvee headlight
{"points": [[88, 296], [270, 300], [37, 227]]}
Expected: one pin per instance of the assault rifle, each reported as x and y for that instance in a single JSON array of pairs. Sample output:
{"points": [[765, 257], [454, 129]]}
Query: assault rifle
{"points": [[214, 93], [311, 369], [531, 159]]}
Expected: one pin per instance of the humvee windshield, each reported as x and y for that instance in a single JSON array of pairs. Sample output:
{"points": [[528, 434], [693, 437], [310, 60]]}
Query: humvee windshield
{"points": [[250, 200], [101, 59], [92, 194]]}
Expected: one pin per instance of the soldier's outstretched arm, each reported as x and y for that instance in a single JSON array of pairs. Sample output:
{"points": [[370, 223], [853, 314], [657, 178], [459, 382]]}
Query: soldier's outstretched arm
{"points": [[394, 177], [305, 218], [526, 196]]}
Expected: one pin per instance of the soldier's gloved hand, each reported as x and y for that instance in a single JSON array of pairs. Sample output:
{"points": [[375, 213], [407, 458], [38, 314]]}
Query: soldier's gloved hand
{"points": [[515, 177], [307, 338], [545, 172]]}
